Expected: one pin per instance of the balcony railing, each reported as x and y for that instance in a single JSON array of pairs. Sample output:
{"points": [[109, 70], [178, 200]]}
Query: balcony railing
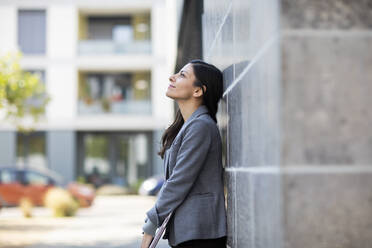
{"points": [[92, 47], [122, 107]]}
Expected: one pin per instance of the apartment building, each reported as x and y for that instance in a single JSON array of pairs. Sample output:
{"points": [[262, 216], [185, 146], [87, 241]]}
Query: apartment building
{"points": [[105, 65]]}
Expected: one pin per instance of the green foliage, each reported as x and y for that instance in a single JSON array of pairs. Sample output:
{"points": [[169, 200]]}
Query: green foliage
{"points": [[26, 205], [106, 104], [134, 187], [61, 202], [81, 179], [22, 94]]}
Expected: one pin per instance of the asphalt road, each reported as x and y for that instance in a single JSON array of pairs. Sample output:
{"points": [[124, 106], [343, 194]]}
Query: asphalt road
{"points": [[112, 222]]}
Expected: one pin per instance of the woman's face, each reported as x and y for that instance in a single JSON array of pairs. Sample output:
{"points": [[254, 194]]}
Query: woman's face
{"points": [[181, 84]]}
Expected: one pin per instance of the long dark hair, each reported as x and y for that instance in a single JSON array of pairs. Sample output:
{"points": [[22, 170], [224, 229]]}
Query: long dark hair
{"points": [[209, 76]]}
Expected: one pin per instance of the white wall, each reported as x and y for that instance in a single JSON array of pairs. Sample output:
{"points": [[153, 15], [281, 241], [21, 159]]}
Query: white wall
{"points": [[162, 68], [61, 72], [8, 29], [62, 32], [62, 84]]}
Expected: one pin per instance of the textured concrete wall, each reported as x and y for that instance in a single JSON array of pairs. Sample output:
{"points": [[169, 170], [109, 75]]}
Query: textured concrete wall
{"points": [[295, 120], [241, 38], [326, 120]]}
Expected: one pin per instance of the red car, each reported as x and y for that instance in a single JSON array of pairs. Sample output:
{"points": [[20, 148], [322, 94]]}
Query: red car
{"points": [[16, 184]]}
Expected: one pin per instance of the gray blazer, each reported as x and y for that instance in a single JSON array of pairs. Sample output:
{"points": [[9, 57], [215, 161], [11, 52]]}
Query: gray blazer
{"points": [[193, 189]]}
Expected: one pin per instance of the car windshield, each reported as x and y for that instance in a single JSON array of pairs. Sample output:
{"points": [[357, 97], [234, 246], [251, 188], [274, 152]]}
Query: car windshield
{"points": [[7, 176]]}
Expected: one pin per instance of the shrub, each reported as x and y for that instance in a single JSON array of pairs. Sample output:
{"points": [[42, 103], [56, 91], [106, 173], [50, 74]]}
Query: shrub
{"points": [[81, 179], [134, 187], [61, 202], [110, 189], [26, 207]]}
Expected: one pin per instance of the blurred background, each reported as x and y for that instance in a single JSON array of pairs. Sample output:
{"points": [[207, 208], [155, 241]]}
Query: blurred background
{"points": [[104, 66], [83, 108]]}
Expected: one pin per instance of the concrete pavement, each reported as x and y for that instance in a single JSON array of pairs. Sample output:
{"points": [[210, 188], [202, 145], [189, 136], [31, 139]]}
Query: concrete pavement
{"points": [[112, 222]]}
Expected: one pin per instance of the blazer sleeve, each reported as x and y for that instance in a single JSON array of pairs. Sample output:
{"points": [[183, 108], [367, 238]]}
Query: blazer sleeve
{"points": [[149, 227], [189, 162]]}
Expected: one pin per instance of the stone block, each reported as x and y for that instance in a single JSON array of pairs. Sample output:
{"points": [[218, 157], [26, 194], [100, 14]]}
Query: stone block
{"points": [[259, 222], [332, 14], [326, 85], [230, 184], [327, 210]]}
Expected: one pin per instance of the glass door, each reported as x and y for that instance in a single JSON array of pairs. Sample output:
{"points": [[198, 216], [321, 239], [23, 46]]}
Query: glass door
{"points": [[123, 160], [96, 159], [111, 157]]}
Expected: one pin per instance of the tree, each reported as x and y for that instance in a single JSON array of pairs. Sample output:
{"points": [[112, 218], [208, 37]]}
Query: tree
{"points": [[22, 94]]}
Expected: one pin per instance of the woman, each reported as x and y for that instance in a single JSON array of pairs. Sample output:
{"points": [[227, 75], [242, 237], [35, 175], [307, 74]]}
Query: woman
{"points": [[191, 148]]}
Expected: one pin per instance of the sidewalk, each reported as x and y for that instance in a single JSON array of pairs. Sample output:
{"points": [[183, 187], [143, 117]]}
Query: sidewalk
{"points": [[112, 222]]}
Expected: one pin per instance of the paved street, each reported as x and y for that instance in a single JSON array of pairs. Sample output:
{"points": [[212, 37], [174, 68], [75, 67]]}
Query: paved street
{"points": [[112, 222]]}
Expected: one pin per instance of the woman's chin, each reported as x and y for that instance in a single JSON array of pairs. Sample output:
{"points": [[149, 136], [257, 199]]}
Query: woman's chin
{"points": [[169, 95]]}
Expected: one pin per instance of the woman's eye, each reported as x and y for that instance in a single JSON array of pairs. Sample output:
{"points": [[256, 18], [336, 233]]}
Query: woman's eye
{"points": [[182, 75]]}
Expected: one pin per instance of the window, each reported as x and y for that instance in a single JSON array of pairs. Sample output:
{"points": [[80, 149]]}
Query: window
{"points": [[119, 158], [39, 73], [36, 100], [7, 176], [123, 93], [31, 150], [32, 31], [35, 178], [103, 28], [99, 34]]}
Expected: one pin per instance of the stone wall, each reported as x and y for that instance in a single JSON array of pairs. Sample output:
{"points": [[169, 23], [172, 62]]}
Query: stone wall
{"points": [[326, 147], [294, 119]]}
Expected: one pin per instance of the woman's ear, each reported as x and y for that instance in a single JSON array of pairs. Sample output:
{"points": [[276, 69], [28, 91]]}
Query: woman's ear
{"points": [[198, 92]]}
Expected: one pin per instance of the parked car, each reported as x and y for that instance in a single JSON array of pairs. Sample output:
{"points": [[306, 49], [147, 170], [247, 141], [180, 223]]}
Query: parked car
{"points": [[82, 193], [152, 185], [16, 184]]}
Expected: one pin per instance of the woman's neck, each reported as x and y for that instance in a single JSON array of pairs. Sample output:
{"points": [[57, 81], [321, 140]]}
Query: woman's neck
{"points": [[187, 108]]}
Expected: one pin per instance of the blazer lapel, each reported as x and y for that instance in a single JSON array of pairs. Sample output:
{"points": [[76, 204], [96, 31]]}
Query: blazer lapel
{"points": [[202, 109], [166, 162]]}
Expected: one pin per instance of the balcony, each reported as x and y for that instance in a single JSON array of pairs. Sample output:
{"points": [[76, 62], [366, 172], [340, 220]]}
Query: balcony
{"points": [[120, 107], [89, 47], [114, 93], [114, 34]]}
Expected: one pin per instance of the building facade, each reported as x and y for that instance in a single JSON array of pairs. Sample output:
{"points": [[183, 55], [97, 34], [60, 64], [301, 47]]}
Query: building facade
{"points": [[105, 65]]}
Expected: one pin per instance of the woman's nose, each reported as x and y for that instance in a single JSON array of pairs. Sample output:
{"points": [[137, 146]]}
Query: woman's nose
{"points": [[171, 78]]}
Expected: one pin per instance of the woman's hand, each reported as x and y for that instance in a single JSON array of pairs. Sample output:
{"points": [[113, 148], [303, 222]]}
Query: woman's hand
{"points": [[146, 240]]}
